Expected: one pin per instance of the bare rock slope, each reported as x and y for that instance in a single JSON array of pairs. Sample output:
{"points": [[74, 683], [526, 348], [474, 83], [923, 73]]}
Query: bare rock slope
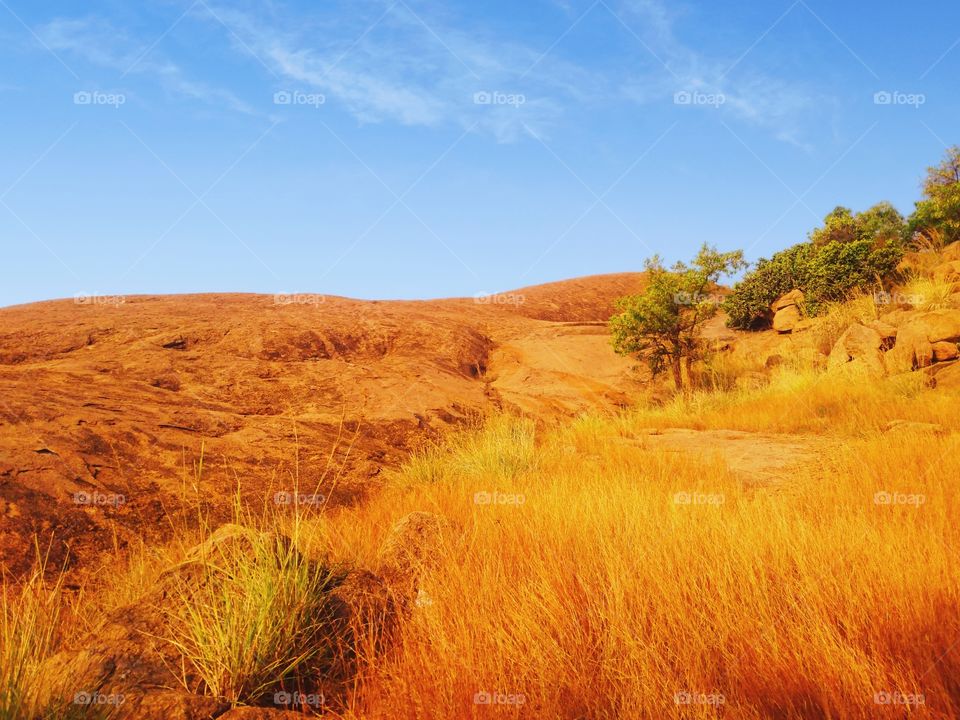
{"points": [[107, 409]]}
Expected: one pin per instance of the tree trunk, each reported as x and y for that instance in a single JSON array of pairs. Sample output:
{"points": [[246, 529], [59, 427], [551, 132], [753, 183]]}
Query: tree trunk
{"points": [[677, 373], [688, 363]]}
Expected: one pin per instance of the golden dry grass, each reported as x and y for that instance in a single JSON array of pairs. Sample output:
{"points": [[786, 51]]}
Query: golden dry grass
{"points": [[588, 577], [600, 596]]}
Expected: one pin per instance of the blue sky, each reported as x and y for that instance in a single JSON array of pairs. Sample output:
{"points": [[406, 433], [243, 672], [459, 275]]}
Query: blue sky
{"points": [[415, 149]]}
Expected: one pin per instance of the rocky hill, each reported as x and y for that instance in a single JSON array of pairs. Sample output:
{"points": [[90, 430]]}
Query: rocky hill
{"points": [[108, 405]]}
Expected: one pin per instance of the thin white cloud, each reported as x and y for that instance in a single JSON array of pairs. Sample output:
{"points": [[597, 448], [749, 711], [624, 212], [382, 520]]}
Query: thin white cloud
{"points": [[392, 64], [99, 43], [772, 103]]}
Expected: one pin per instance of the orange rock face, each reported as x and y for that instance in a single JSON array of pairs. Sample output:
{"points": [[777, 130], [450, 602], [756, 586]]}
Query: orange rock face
{"points": [[107, 408]]}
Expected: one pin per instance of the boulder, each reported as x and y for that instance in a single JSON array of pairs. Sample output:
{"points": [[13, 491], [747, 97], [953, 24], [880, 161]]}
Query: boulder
{"points": [[122, 664], [793, 298], [859, 350], [945, 351], [786, 319], [896, 317], [130, 657], [916, 337], [786, 311], [886, 330], [946, 376]]}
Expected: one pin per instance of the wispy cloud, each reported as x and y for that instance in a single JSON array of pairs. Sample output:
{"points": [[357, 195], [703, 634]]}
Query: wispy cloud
{"points": [[100, 43], [775, 104], [395, 64]]}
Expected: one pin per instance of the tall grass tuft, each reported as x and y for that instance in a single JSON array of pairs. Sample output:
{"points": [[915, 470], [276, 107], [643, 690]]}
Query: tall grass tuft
{"points": [[250, 612], [30, 615]]}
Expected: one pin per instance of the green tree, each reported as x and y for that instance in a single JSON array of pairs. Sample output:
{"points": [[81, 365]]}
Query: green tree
{"points": [[662, 324], [937, 215]]}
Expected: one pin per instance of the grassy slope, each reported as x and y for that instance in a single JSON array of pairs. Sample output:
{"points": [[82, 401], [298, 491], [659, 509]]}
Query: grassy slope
{"points": [[590, 592]]}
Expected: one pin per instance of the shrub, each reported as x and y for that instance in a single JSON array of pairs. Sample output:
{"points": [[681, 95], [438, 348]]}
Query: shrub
{"points": [[256, 618], [827, 268]]}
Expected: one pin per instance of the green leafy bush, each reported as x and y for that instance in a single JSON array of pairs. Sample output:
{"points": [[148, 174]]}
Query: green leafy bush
{"points": [[848, 252]]}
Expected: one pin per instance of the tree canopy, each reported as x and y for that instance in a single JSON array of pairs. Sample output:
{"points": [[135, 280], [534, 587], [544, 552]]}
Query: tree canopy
{"points": [[662, 324]]}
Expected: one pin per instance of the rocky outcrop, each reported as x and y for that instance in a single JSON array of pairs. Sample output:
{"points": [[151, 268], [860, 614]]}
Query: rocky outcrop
{"points": [[787, 311], [860, 350], [919, 334], [946, 376]]}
